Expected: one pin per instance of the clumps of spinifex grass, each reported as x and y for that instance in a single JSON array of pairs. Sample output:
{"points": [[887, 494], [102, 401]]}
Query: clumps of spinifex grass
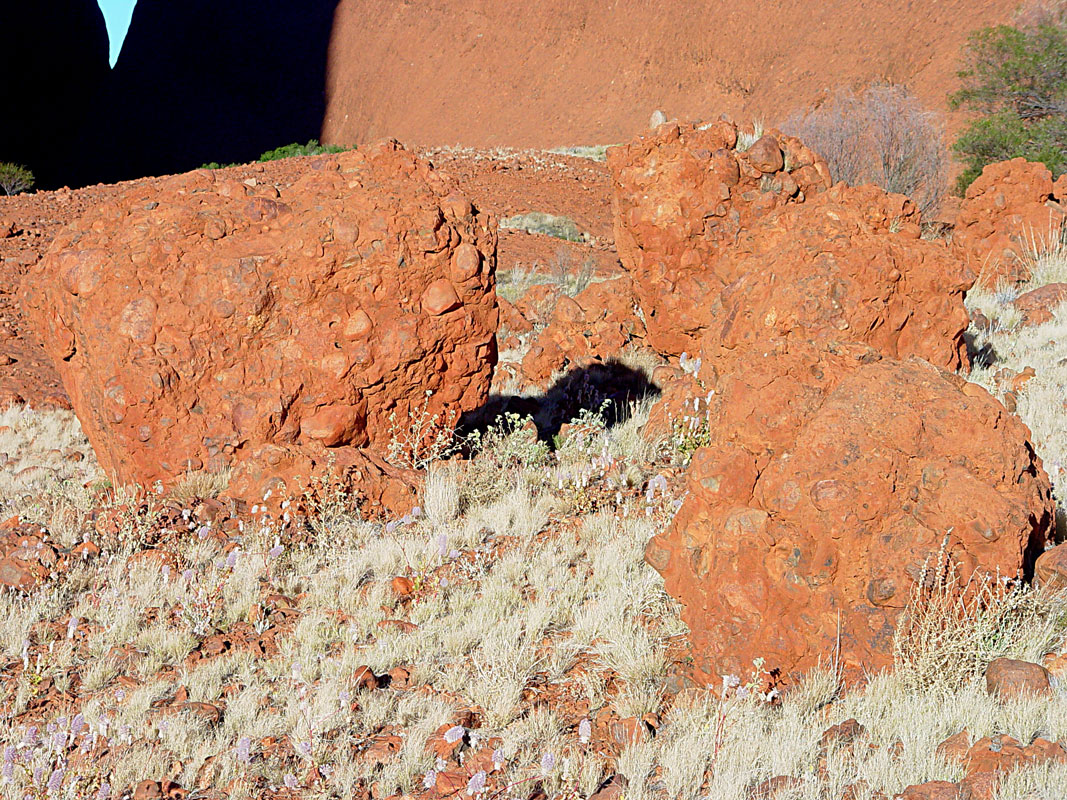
{"points": [[545, 224], [953, 627]]}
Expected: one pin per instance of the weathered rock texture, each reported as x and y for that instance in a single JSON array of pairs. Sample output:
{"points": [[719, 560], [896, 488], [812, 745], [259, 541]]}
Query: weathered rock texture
{"points": [[596, 324], [725, 247], [682, 196], [201, 323], [564, 72], [1012, 206], [846, 266], [832, 476], [835, 458]]}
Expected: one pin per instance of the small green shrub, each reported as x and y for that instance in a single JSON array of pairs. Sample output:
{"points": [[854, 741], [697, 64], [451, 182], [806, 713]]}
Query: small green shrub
{"points": [[15, 178], [312, 148], [293, 150], [1016, 79]]}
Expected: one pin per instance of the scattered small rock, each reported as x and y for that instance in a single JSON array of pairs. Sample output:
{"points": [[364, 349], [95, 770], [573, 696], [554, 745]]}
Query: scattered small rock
{"points": [[933, 790], [1008, 677], [1050, 569]]}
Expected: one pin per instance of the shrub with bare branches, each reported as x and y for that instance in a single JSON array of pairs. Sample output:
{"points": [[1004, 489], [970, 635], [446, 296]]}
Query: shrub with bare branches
{"points": [[15, 179], [881, 135]]}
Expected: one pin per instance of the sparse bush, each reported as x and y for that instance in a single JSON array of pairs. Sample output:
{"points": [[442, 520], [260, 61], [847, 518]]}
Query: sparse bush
{"points": [[312, 148], [15, 179], [953, 628], [882, 135], [501, 452], [423, 438], [572, 281], [1016, 79]]}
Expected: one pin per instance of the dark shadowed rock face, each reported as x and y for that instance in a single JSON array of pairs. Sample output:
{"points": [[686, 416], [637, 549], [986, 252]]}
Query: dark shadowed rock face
{"points": [[197, 81], [218, 80], [54, 64]]}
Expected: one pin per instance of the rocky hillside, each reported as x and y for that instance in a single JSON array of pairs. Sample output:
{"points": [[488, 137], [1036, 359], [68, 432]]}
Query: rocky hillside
{"points": [[198, 82], [558, 72]]}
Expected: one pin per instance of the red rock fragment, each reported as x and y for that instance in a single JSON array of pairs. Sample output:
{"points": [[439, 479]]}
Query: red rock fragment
{"points": [[1008, 677], [1050, 569], [147, 790], [1011, 205], [932, 790]]}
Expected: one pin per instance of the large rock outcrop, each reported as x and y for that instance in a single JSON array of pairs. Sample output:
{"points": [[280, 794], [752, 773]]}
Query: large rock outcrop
{"points": [[202, 323], [682, 196], [834, 456], [725, 246], [833, 475], [565, 72], [846, 266], [1011, 207]]}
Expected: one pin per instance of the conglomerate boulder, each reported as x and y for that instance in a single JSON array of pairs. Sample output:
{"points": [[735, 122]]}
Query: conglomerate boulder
{"points": [[202, 323], [834, 457], [591, 327], [1011, 208], [830, 478], [847, 265], [681, 197]]}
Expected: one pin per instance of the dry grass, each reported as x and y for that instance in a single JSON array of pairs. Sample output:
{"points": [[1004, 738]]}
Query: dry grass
{"points": [[529, 606], [952, 628], [1008, 343], [597, 152], [200, 484], [39, 449], [503, 596], [569, 277], [545, 224], [745, 139]]}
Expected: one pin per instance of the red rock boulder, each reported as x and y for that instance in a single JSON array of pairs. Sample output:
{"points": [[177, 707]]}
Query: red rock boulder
{"points": [[1009, 677], [991, 759], [847, 265], [832, 475], [681, 197], [593, 326], [1037, 305], [1010, 207], [202, 323]]}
